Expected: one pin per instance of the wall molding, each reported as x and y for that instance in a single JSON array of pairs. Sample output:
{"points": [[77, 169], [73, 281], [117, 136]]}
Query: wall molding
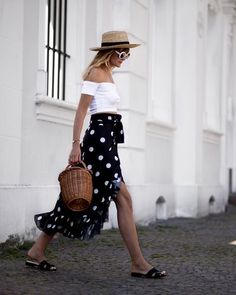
{"points": [[214, 6], [229, 7], [142, 3], [212, 135], [160, 129], [55, 111], [130, 110], [27, 186]]}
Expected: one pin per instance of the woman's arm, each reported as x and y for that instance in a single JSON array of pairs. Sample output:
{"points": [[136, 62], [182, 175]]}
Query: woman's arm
{"points": [[96, 75], [85, 100], [81, 112]]}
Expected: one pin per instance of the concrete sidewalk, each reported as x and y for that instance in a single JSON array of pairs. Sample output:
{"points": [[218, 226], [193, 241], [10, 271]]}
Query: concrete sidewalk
{"points": [[195, 252]]}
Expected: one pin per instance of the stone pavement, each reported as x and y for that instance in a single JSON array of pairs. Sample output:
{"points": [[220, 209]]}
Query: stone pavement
{"points": [[195, 252]]}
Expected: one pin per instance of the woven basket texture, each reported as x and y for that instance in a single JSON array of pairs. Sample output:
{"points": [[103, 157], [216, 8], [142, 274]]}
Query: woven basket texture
{"points": [[76, 187]]}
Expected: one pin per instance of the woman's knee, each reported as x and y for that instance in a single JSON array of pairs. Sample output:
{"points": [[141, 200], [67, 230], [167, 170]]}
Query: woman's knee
{"points": [[123, 197]]}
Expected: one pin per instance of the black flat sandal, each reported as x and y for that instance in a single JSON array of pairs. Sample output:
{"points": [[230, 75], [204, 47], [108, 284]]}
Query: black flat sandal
{"points": [[43, 265], [151, 274]]}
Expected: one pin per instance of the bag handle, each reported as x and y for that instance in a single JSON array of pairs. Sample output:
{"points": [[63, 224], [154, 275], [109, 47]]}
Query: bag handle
{"points": [[80, 162]]}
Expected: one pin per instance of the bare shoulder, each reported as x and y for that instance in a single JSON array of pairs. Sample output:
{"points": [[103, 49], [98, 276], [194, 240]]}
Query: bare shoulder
{"points": [[97, 75]]}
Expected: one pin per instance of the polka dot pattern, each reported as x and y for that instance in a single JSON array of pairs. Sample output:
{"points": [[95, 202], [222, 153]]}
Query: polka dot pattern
{"points": [[99, 152]]}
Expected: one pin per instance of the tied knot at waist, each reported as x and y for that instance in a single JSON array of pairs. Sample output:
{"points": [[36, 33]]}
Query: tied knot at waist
{"points": [[111, 119]]}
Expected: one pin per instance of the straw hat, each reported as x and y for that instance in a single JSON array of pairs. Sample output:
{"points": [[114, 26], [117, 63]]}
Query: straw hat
{"points": [[114, 39]]}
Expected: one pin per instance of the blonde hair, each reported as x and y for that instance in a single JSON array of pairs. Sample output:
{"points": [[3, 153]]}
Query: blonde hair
{"points": [[102, 58]]}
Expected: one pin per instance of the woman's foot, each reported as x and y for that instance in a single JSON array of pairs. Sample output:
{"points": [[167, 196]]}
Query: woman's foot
{"points": [[35, 254], [151, 274], [43, 265], [144, 269], [141, 267], [37, 259]]}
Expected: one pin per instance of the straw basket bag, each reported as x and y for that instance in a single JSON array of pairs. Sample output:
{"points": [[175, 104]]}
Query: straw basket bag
{"points": [[76, 187]]}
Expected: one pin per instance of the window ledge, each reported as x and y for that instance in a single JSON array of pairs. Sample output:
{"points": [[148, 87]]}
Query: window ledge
{"points": [[55, 111], [212, 135]]}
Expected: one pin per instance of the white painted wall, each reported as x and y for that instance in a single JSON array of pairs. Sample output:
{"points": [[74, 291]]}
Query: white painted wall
{"points": [[11, 65], [178, 105]]}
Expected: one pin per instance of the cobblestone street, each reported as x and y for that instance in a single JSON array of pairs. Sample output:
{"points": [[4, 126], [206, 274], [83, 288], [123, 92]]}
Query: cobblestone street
{"points": [[195, 252]]}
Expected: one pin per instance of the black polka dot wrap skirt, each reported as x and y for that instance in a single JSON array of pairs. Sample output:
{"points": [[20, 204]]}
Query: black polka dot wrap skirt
{"points": [[100, 154]]}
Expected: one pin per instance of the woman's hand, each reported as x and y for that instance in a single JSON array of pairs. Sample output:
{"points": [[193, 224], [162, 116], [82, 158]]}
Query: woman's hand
{"points": [[75, 154]]}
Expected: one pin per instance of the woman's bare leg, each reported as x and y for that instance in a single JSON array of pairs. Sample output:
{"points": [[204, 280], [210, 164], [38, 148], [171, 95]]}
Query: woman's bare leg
{"points": [[128, 230], [37, 251]]}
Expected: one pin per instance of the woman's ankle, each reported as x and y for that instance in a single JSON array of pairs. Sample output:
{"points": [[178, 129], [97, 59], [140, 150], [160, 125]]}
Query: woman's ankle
{"points": [[140, 263], [36, 253]]}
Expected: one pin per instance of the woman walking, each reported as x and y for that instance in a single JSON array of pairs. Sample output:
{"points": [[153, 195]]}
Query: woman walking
{"points": [[98, 150]]}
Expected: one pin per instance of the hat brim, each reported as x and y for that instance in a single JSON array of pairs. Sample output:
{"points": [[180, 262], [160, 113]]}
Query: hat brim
{"points": [[114, 47]]}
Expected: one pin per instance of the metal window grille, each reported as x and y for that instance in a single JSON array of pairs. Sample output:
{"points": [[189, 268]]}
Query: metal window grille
{"points": [[56, 56]]}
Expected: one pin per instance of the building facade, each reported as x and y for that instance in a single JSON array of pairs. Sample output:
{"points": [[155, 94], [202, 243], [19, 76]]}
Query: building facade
{"points": [[178, 103]]}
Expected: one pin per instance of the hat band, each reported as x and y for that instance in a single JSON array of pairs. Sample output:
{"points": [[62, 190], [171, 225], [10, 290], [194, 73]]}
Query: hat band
{"points": [[114, 43]]}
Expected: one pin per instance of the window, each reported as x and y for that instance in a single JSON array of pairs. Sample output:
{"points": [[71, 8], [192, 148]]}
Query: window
{"points": [[56, 55]]}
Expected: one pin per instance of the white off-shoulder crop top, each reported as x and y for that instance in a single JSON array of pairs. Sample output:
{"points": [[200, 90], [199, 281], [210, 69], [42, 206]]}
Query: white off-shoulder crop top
{"points": [[105, 96]]}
